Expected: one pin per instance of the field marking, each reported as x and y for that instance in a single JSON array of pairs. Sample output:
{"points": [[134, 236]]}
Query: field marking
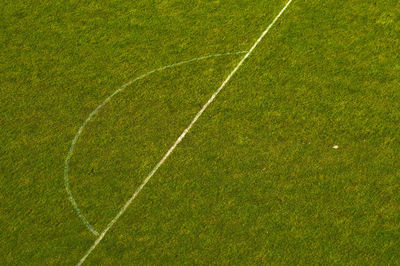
{"points": [[123, 209], [92, 114]]}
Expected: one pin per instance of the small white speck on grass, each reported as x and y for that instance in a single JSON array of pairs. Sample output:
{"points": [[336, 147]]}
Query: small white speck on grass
{"points": [[335, 147]]}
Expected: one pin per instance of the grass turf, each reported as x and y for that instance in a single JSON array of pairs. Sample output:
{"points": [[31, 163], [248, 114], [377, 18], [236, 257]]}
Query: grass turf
{"points": [[256, 181]]}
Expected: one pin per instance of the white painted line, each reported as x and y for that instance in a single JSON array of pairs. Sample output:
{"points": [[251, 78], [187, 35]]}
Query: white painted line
{"points": [[92, 114], [123, 209]]}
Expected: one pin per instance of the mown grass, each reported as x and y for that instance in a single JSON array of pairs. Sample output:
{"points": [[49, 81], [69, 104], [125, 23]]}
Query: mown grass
{"points": [[256, 181]]}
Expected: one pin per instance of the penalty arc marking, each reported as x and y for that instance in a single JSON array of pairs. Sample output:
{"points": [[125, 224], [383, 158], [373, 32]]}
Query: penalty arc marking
{"points": [[92, 114]]}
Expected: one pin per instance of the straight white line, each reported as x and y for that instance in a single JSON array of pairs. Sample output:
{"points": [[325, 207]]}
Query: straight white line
{"points": [[123, 209]]}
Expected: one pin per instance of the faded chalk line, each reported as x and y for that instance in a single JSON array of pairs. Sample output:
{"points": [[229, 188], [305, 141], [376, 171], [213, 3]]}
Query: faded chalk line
{"points": [[74, 141], [123, 209]]}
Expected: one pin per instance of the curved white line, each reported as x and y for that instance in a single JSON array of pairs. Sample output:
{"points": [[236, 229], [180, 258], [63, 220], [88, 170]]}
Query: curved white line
{"points": [[92, 114], [146, 180]]}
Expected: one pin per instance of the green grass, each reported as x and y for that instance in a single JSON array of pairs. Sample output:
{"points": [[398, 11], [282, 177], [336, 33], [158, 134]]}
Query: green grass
{"points": [[256, 181]]}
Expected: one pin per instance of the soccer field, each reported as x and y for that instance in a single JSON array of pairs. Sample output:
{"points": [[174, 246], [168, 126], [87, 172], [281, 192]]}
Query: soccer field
{"points": [[240, 132]]}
